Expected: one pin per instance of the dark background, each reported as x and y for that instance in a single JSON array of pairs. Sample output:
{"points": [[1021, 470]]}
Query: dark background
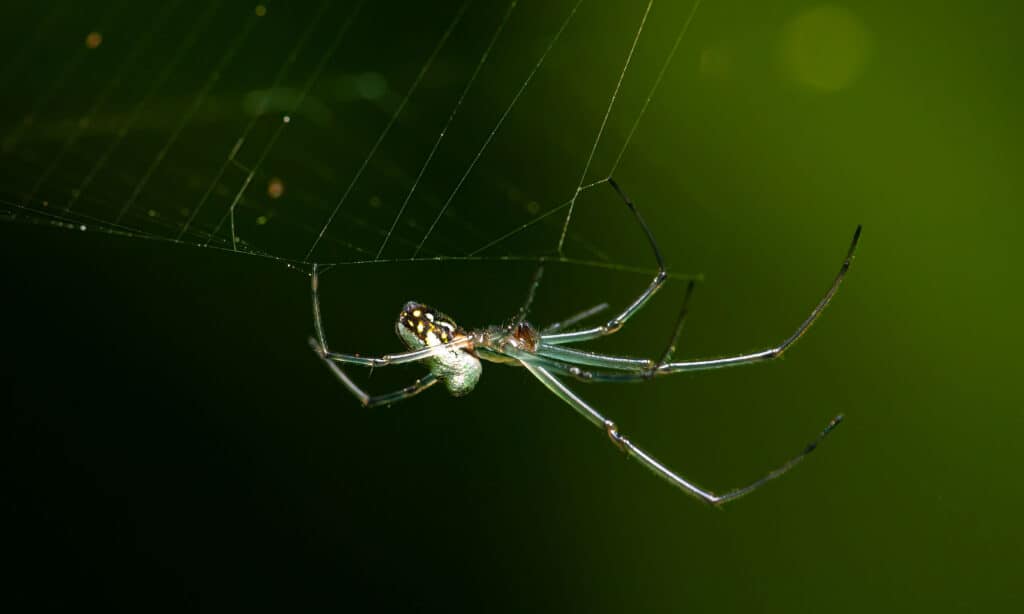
{"points": [[171, 440]]}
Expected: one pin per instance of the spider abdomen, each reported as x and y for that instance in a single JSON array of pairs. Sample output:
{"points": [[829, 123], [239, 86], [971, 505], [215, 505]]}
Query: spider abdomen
{"points": [[459, 370], [420, 326]]}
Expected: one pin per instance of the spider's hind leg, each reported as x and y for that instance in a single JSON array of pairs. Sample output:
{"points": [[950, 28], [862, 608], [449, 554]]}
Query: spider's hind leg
{"points": [[372, 400]]}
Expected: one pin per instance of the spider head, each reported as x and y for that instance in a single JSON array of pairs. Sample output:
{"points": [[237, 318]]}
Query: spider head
{"points": [[420, 326]]}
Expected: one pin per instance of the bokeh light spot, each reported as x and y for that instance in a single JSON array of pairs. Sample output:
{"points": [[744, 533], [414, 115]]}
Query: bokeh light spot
{"points": [[371, 85], [275, 188], [260, 10], [93, 40], [824, 48]]}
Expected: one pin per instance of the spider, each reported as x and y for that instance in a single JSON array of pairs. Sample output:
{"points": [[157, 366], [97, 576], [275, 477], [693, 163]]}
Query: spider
{"points": [[453, 355]]}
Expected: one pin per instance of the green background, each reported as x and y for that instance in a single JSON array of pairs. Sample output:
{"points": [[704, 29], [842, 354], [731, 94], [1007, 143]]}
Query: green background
{"points": [[173, 441]]}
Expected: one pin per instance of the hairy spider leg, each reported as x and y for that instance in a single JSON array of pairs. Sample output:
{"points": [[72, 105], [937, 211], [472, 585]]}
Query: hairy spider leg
{"points": [[563, 392]]}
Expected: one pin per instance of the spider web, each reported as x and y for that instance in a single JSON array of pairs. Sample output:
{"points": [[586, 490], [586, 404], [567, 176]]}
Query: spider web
{"points": [[351, 133]]}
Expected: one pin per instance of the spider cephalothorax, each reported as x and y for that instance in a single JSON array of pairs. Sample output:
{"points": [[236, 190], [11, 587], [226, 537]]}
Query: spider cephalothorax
{"points": [[453, 356], [524, 336]]}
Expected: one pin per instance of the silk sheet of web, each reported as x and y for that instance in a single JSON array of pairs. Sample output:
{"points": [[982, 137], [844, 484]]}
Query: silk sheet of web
{"points": [[334, 133]]}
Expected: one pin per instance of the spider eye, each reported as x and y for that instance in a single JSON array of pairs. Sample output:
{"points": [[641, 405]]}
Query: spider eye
{"points": [[420, 325]]}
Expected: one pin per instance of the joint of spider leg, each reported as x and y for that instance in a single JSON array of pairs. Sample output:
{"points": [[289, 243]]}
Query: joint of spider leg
{"points": [[613, 433], [316, 347], [612, 326]]}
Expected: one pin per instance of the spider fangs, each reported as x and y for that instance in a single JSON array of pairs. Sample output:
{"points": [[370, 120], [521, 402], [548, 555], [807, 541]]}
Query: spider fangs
{"points": [[453, 356]]}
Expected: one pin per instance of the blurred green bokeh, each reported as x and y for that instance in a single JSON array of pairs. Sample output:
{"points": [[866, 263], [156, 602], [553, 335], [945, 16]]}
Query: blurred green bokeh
{"points": [[175, 441]]}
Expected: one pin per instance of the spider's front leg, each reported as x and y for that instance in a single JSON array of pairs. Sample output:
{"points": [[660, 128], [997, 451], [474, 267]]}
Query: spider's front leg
{"points": [[566, 361]]}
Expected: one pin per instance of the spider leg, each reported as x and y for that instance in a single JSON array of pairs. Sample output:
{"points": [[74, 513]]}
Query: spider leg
{"points": [[403, 358], [563, 392], [570, 357], [614, 324], [366, 399], [680, 321], [573, 319], [524, 310], [773, 352], [664, 367], [371, 361]]}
